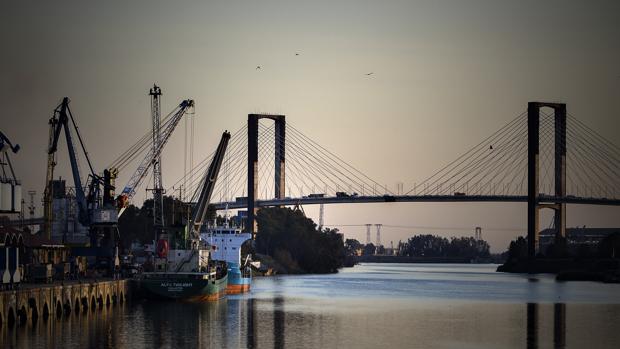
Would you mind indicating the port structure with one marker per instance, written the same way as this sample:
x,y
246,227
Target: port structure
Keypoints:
x,y
158,187
10,186
279,171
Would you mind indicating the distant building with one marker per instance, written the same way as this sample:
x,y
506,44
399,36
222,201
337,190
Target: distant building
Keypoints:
x,y
577,236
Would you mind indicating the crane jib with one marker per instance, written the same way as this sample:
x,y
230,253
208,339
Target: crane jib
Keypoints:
x,y
206,189
142,170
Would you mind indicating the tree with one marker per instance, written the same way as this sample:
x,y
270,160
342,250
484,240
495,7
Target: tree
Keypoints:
x,y
517,250
369,249
351,246
609,247
294,241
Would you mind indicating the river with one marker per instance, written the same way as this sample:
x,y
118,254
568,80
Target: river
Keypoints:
x,y
368,306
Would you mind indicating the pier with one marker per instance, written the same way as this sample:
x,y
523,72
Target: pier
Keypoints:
x,y
32,302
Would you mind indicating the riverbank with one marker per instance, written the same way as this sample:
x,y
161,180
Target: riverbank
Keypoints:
x,y
407,259
568,269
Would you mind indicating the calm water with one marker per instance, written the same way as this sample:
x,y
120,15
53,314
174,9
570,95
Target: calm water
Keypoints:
x,y
368,306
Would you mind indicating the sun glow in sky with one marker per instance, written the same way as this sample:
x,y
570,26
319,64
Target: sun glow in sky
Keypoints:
x,y
446,74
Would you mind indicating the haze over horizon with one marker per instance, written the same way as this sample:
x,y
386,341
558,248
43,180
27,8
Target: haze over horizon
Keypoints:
x,y
445,75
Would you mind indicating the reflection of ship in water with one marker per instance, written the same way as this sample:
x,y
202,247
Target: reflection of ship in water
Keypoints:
x,y
227,242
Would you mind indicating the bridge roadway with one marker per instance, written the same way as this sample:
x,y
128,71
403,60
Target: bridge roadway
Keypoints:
x,y
389,198
415,198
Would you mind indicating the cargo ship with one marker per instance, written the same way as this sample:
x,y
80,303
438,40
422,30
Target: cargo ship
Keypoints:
x,y
227,243
185,274
196,272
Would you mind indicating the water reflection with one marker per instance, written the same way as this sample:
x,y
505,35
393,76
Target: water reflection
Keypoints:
x,y
559,325
532,326
278,322
92,328
345,311
251,327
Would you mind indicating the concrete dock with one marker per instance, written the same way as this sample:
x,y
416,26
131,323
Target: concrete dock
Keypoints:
x,y
31,302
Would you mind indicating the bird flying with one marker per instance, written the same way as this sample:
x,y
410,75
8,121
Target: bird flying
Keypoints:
x,y
258,67
368,74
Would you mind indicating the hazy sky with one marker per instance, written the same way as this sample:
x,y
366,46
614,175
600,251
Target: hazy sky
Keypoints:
x,y
446,75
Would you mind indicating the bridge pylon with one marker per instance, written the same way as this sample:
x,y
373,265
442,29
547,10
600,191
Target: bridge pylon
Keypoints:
x,y
280,156
534,203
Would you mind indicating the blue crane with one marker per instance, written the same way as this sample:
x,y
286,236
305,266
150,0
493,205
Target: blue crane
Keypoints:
x,y
63,119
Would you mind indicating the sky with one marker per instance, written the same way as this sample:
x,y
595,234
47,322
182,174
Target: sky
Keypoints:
x,y
446,75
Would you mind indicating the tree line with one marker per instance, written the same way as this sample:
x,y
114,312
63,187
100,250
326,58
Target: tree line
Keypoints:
x,y
427,245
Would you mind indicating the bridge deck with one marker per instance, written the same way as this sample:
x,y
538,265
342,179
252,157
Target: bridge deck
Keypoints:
x,y
416,198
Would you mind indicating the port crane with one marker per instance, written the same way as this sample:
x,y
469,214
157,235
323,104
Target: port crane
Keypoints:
x,y
10,188
140,173
94,211
199,213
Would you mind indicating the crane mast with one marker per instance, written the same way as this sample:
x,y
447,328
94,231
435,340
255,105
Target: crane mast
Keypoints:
x,y
48,193
158,187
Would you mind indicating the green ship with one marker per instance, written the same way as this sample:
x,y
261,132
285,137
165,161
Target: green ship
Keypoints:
x,y
187,275
189,272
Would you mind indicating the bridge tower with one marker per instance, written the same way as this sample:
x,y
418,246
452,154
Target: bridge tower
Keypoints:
x,y
534,203
378,234
368,233
279,174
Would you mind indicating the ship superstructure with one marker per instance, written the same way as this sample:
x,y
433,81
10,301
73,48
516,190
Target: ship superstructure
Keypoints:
x,y
227,241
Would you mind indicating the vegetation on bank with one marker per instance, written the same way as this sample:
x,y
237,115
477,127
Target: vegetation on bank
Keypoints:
x,y
436,246
295,242
425,246
597,262
608,247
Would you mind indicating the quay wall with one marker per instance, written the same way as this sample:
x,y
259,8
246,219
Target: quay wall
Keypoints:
x,y
33,302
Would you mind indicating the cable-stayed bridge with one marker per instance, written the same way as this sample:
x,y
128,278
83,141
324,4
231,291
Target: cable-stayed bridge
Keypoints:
x,y
544,156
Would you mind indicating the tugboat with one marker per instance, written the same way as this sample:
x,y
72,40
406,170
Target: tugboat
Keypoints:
x,y
190,272
227,242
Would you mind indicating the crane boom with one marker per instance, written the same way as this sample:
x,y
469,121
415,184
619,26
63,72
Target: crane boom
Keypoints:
x,y
136,179
207,185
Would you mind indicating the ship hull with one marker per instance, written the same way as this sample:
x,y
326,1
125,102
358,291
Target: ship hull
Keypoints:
x,y
237,282
188,287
